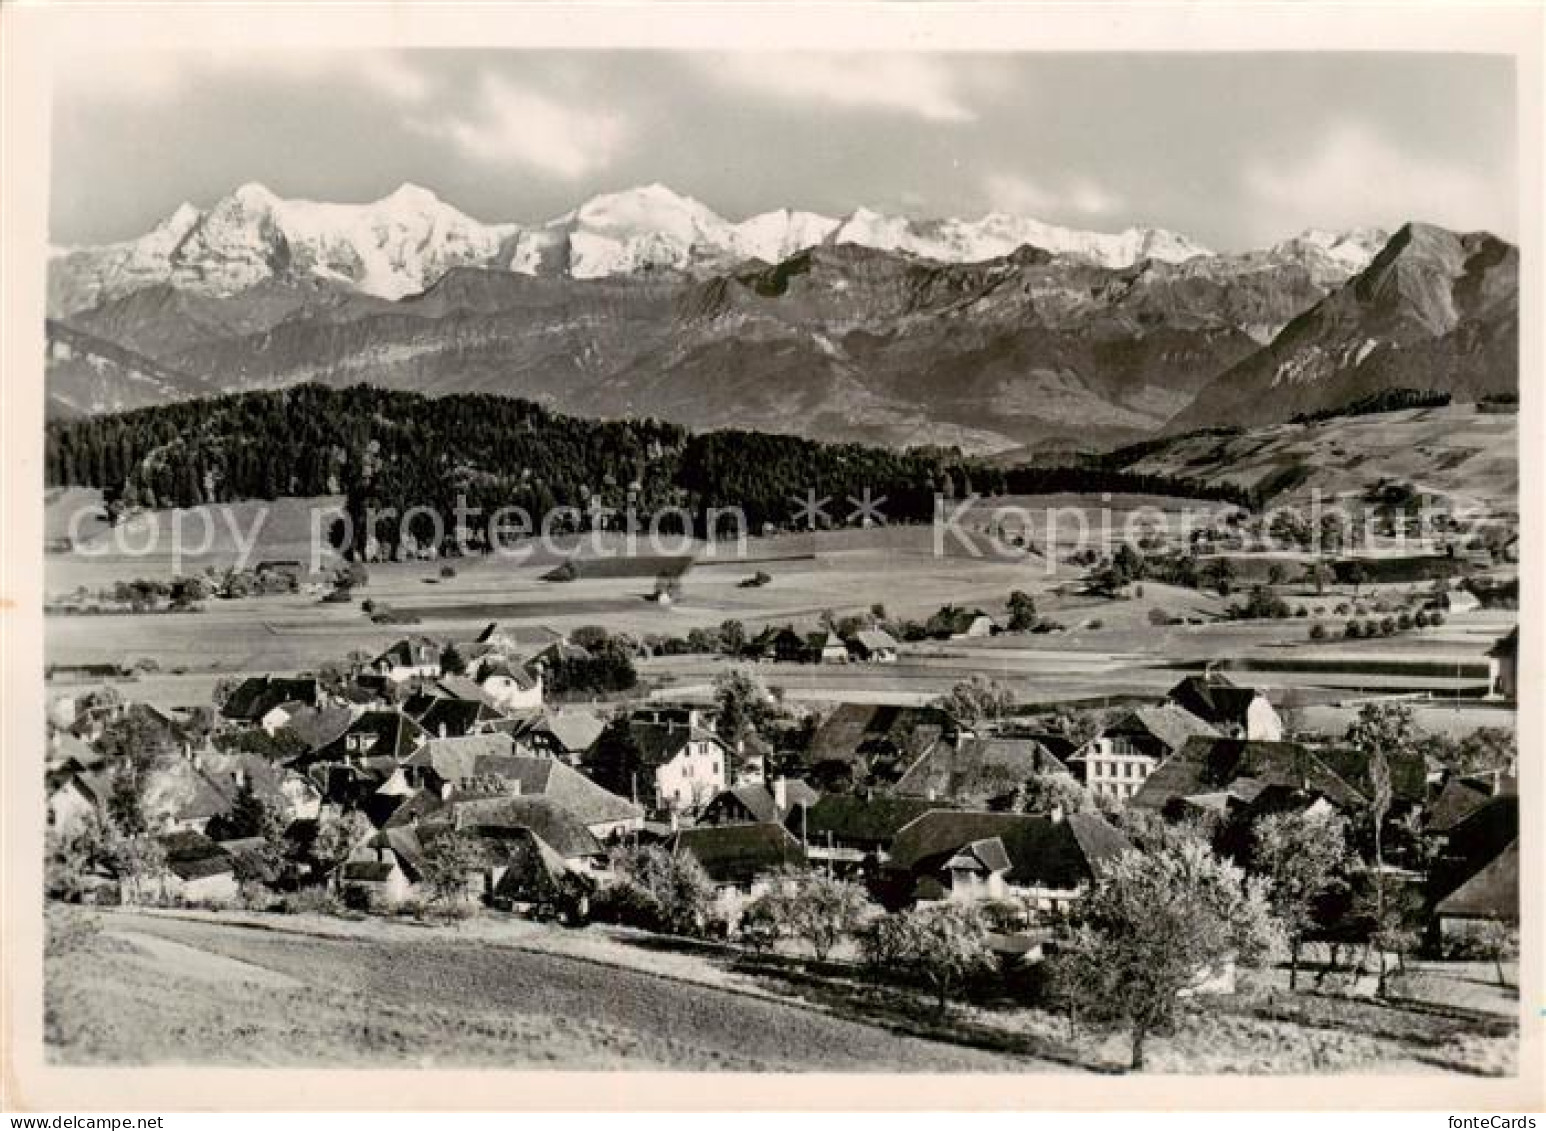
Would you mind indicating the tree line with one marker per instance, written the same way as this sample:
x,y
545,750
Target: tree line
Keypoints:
x,y
388,450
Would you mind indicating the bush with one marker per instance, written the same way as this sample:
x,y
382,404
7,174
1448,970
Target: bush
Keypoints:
x,y
1420,620
1301,611
1388,626
1159,617
1436,619
359,899
447,571
1096,624
1352,630
309,901
1404,622
1318,632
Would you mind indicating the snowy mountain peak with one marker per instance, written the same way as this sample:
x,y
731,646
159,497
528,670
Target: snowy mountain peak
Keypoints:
x,y
403,242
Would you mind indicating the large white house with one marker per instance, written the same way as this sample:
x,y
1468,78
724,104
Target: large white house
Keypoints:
x,y
686,764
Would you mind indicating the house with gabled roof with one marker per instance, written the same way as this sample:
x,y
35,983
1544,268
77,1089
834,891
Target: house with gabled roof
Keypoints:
x,y
1488,895
682,764
759,802
478,764
1117,761
76,801
739,857
977,768
604,813
413,657
878,742
196,869
1207,765
387,869
874,646
445,716
256,697
1232,710
512,687
968,856
563,732
848,830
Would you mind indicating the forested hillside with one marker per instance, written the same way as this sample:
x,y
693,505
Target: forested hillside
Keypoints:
x,y
388,449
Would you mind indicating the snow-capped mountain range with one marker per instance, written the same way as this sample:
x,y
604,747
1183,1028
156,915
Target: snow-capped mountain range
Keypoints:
x,y
401,244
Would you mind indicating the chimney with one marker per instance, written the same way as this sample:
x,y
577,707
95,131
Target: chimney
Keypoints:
x,y
781,794
442,730
1056,815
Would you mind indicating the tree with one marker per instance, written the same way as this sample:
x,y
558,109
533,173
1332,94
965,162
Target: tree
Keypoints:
x,y
1381,731
941,944
671,892
133,859
1320,574
450,860
744,704
1302,856
1022,611
1498,942
1218,573
1043,793
1153,926
1357,574
338,834
732,637
977,699
823,911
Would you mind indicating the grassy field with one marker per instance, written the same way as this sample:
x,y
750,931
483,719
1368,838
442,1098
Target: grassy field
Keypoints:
x,y
1110,647
1455,450
136,988
152,990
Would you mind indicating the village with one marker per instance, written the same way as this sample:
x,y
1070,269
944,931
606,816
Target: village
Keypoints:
x,y
971,848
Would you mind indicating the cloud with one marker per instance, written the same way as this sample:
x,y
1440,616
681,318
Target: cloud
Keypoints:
x,y
160,77
1354,176
1019,195
510,124
919,86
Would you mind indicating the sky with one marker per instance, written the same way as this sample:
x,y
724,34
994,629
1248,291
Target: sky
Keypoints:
x,y
1234,150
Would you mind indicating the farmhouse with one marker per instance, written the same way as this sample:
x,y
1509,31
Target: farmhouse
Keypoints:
x,y
410,658
683,764
563,733
977,768
1120,759
197,869
1491,895
758,803
479,764
605,814
386,870
825,648
972,856
78,800
849,830
1214,765
509,686
253,699
874,646
1234,711
1505,666
859,741
741,858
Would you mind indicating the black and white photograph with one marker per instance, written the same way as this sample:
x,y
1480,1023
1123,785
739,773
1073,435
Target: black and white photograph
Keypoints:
x,y
871,559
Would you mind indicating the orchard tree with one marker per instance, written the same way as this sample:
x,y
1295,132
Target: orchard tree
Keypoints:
x,y
1152,928
1302,856
940,944
978,699
1022,611
450,860
744,705
1045,792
